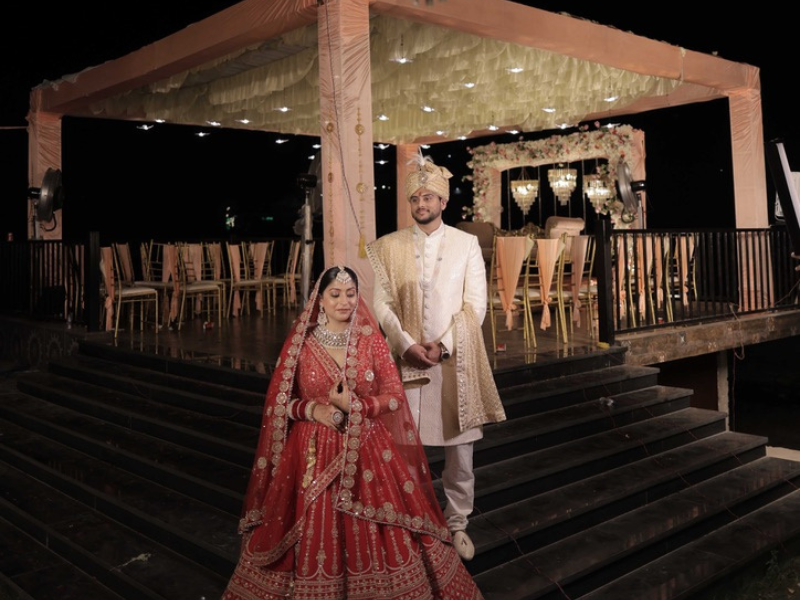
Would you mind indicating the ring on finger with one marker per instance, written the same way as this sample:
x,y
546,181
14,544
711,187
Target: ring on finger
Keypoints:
x,y
337,417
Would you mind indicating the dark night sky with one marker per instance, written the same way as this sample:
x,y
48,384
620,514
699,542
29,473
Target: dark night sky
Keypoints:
x,y
109,178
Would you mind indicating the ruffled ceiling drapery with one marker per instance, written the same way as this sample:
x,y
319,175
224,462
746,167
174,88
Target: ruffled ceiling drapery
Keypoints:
x,y
466,79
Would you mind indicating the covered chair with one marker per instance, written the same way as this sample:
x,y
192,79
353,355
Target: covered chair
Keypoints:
x,y
117,294
509,255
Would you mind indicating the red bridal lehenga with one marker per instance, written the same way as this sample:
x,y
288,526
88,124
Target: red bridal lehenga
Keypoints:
x,y
349,514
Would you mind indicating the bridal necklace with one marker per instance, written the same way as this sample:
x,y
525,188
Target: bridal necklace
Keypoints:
x,y
330,339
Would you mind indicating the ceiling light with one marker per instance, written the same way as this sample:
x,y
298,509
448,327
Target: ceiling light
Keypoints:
x,y
383,146
440,132
515,70
401,57
595,188
525,191
243,121
469,84
611,98
493,127
383,117
317,146
202,134
563,182
214,123
381,162
549,109
283,109
161,121
513,131
281,141
145,127
428,109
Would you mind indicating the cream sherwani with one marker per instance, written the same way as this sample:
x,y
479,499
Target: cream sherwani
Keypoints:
x,y
451,272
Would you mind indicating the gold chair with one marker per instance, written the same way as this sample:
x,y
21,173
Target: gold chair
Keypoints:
x,y
206,293
215,269
161,272
505,294
242,281
289,280
259,266
117,295
543,269
587,286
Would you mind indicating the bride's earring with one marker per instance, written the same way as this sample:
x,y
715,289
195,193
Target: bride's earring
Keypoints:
x,y
322,318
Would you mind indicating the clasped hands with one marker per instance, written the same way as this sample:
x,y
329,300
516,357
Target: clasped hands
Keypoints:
x,y
333,415
424,355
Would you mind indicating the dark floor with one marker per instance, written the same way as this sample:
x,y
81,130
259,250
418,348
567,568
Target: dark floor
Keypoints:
x,y
252,342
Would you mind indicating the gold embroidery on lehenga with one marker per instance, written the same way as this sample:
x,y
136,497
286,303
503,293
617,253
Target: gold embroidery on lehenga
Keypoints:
x,y
311,460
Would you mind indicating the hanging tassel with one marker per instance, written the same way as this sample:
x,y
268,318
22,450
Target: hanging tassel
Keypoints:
x,y
362,247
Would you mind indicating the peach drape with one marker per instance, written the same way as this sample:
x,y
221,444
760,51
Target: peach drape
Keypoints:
x,y
107,272
235,251
511,252
259,250
547,253
578,258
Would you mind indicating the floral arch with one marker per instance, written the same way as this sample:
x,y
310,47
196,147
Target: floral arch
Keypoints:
x,y
488,163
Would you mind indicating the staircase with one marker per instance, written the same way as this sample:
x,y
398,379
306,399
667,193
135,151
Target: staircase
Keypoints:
x,y
123,474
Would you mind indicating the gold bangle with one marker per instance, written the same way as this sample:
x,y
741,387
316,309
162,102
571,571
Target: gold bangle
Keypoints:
x,y
310,411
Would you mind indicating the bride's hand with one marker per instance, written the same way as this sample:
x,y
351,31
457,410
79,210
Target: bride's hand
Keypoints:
x,y
330,416
340,396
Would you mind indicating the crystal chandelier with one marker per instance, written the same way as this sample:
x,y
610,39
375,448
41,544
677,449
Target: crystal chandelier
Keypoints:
x,y
595,188
525,191
563,182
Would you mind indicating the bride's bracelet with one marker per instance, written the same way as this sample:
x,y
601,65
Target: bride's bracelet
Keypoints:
x,y
310,411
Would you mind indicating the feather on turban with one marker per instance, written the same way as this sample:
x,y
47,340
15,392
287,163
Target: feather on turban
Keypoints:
x,y
425,174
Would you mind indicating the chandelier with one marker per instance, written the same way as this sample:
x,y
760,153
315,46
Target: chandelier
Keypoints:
x,y
563,182
595,188
525,191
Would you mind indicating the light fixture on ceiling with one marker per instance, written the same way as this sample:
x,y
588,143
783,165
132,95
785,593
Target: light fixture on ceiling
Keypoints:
x,y
612,97
145,127
401,57
469,85
428,109
549,109
383,117
525,190
595,188
563,182
202,134
243,121
214,123
161,120
283,109
515,70
281,141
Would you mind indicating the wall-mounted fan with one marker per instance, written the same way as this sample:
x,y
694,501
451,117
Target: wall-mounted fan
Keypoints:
x,y
629,191
48,198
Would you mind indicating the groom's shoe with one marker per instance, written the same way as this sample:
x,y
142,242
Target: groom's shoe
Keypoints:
x,y
464,545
